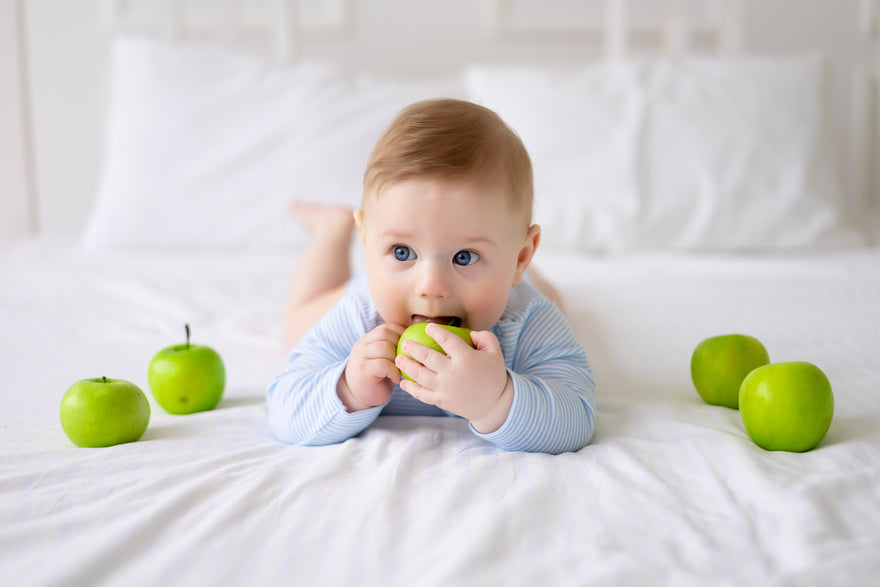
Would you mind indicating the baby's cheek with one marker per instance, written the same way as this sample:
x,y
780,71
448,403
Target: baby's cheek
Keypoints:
x,y
392,309
487,308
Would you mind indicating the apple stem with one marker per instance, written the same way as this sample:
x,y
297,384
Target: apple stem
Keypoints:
x,y
104,377
186,326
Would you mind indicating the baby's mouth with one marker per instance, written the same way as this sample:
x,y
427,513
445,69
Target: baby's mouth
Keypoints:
x,y
447,320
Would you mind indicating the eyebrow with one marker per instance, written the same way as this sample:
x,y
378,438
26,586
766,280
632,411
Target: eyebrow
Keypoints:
x,y
404,235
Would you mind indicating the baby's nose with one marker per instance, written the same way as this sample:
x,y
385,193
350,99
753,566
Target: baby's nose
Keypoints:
x,y
433,280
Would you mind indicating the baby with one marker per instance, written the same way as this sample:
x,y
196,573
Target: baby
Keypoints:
x,y
446,224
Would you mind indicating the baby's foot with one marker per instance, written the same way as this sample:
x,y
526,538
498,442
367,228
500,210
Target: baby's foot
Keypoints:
x,y
320,220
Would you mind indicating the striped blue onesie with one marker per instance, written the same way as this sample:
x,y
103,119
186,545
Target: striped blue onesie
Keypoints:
x,y
554,403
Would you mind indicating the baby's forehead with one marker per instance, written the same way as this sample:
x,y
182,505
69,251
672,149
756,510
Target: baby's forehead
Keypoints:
x,y
486,189
436,218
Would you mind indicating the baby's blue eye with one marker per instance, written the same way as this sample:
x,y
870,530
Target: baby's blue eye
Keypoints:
x,y
402,253
465,258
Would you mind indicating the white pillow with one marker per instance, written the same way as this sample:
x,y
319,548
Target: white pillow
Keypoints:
x,y
206,147
698,153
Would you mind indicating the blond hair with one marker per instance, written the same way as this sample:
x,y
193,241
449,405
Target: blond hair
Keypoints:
x,y
452,139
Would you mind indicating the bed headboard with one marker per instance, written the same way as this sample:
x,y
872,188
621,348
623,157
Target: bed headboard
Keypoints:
x,y
54,59
288,28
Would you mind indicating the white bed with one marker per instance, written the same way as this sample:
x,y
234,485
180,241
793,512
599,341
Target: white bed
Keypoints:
x,y
670,491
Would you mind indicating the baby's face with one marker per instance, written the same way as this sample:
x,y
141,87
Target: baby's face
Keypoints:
x,y
443,250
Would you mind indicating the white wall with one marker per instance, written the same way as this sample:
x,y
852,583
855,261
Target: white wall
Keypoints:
x,y
67,56
16,216
67,40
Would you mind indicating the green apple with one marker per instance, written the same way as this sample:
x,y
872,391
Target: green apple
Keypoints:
x,y
104,412
720,363
187,378
417,333
786,406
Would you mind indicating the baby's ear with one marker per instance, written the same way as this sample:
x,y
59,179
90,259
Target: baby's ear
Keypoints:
x,y
530,245
359,221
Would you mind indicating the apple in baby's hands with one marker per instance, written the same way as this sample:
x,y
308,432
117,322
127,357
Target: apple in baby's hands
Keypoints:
x,y
187,378
720,363
417,333
104,412
786,406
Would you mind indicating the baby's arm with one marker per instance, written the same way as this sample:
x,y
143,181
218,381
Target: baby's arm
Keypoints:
x,y
303,404
554,406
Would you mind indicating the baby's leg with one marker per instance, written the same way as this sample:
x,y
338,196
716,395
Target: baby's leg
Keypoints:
x,y
323,269
546,288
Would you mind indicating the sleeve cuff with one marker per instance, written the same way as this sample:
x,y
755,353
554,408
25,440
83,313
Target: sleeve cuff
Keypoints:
x,y
342,424
512,428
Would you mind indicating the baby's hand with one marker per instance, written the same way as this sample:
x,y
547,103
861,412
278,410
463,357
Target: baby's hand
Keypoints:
x,y
470,382
370,374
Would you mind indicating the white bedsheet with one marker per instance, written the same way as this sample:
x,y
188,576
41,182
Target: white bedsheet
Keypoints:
x,y
671,491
